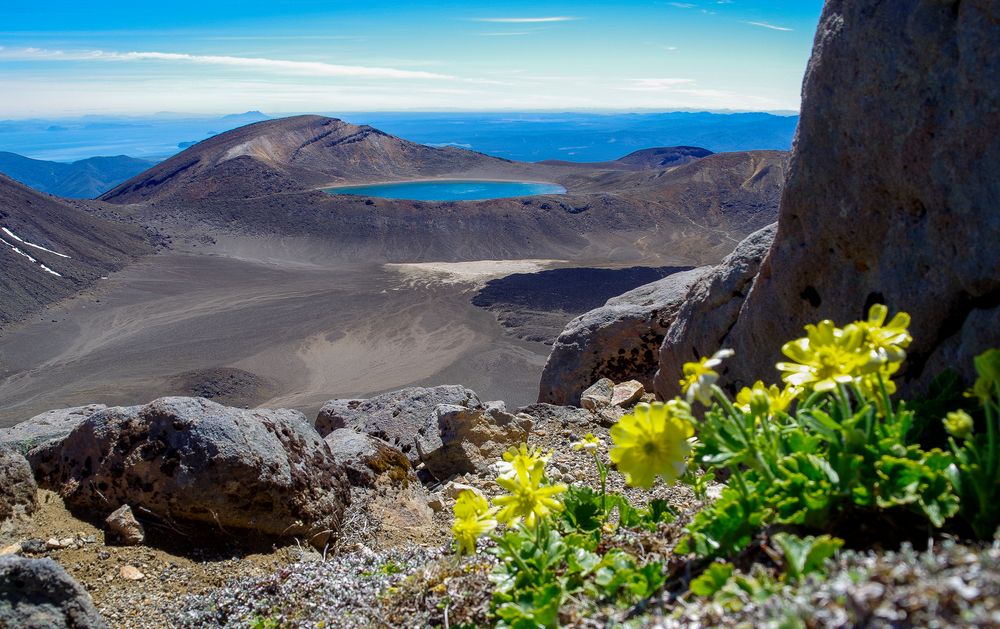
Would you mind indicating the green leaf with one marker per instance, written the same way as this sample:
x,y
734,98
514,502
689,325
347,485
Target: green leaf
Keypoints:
x,y
804,555
712,580
582,508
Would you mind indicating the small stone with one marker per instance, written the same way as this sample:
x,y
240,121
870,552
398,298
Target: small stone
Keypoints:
x,y
125,527
598,395
53,544
132,573
627,393
33,546
67,542
13,549
453,489
435,502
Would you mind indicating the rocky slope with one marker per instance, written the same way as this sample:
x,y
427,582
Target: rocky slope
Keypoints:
x,y
51,248
292,154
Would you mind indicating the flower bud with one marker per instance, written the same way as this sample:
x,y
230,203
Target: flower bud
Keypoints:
x,y
958,424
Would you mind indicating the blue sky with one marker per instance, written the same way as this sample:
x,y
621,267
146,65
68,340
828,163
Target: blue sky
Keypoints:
x,y
69,58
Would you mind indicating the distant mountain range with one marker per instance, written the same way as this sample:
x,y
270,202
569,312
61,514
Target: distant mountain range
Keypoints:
x,y
267,179
84,179
531,137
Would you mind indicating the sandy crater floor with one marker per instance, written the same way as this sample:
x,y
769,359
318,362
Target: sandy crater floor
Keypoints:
x,y
309,330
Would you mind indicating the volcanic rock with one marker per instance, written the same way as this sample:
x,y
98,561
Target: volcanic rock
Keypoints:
x,y
366,458
598,395
892,193
266,472
400,418
54,424
39,594
620,340
125,527
627,393
464,440
709,311
18,491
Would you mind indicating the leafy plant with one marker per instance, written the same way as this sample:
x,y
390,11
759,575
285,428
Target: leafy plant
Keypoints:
x,y
976,471
826,451
804,555
829,448
712,580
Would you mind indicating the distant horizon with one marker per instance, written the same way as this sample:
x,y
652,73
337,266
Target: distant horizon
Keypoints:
x,y
415,112
120,58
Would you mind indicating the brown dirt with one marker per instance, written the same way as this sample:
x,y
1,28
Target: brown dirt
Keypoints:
x,y
167,576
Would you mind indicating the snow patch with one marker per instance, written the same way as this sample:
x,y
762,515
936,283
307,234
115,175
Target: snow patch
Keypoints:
x,y
19,252
31,244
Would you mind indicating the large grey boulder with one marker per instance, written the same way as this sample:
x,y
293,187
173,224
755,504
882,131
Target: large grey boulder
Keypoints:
x,y
892,192
466,440
620,340
39,594
710,310
18,491
366,459
262,472
400,418
54,424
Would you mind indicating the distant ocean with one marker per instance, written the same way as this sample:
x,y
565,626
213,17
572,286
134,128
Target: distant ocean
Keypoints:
x,y
517,136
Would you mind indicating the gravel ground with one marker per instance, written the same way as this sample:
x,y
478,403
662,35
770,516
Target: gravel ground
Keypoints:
x,y
422,584
951,585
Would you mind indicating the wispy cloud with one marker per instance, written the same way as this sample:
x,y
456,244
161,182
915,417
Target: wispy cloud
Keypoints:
x,y
525,20
306,68
773,27
656,85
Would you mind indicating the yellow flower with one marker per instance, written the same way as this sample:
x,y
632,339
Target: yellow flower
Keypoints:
x,y
473,519
700,376
764,400
527,456
653,441
828,356
958,424
887,342
527,498
590,443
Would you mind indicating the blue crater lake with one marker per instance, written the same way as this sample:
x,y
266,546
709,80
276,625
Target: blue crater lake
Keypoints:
x,y
450,190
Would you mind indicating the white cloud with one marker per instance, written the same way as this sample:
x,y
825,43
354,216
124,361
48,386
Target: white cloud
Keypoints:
x,y
656,85
305,68
770,26
525,20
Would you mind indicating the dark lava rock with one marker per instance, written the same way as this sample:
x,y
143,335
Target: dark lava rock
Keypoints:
x,y
263,472
39,594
